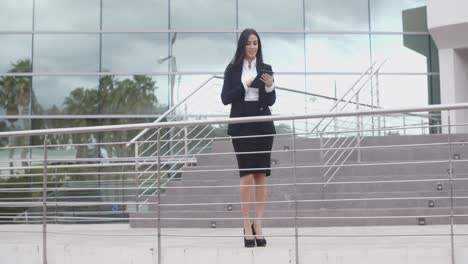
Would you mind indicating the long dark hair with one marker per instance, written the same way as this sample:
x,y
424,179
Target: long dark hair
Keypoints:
x,y
240,52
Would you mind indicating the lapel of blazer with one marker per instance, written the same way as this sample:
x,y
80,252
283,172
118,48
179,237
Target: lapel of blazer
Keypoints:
x,y
237,74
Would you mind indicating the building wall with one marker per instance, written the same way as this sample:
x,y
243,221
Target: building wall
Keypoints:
x,y
448,24
447,12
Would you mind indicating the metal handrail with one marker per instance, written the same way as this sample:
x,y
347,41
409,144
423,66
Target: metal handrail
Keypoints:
x,y
346,93
321,96
178,124
234,120
355,95
359,139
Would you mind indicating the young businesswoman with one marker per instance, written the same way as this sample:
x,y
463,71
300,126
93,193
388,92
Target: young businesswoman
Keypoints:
x,y
250,101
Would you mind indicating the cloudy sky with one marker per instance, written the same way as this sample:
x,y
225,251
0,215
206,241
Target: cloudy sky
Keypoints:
x,y
132,52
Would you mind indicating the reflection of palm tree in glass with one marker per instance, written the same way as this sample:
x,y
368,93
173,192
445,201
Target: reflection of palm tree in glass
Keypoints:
x,y
136,95
131,95
15,93
173,63
81,101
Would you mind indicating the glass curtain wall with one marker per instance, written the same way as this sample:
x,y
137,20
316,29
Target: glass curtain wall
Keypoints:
x,y
114,57
169,45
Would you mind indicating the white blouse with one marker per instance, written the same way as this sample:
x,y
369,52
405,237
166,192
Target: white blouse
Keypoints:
x,y
251,94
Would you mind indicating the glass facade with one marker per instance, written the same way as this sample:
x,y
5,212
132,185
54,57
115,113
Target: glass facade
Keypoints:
x,y
304,40
97,53
311,39
121,57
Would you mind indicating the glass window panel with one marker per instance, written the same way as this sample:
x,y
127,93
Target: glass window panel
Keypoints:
x,y
204,104
388,15
65,53
393,87
406,124
135,52
135,15
334,86
271,14
15,48
15,94
202,52
18,152
334,95
65,95
335,53
207,101
284,52
67,15
16,14
184,16
79,95
289,102
337,15
138,94
405,53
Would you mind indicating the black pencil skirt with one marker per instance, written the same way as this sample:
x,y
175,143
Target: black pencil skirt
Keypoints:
x,y
255,162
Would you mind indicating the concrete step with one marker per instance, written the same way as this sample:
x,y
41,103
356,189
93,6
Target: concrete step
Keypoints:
x,y
349,169
413,202
404,148
411,168
310,201
279,143
348,187
231,172
234,180
413,139
310,218
223,152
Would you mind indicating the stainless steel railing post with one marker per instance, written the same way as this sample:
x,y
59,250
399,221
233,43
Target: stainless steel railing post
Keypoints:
x,y
296,233
44,205
159,196
136,177
452,244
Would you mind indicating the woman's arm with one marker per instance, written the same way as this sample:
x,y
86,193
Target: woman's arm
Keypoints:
x,y
270,93
230,92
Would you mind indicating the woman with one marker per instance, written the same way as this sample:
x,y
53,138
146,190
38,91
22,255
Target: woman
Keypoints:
x,y
250,101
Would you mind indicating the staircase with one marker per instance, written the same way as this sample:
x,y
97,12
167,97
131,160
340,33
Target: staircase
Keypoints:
x,y
393,180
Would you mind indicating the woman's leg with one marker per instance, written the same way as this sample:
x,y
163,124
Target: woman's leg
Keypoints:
x,y
245,181
260,195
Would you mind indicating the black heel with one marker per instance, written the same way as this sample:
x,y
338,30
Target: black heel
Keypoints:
x,y
248,243
261,242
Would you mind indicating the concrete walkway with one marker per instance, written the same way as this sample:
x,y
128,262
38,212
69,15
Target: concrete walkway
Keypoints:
x,y
119,244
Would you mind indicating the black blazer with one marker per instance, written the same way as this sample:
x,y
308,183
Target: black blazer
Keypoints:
x,y
233,93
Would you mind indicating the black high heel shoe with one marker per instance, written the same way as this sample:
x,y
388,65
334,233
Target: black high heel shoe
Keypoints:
x,y
261,242
248,243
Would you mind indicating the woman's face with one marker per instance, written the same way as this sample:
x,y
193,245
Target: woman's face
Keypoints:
x,y
251,47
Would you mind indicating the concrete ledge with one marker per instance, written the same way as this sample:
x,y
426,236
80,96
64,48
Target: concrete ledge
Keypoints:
x,y
119,244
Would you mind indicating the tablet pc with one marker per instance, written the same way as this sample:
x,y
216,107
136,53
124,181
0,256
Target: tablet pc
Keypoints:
x,y
257,82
